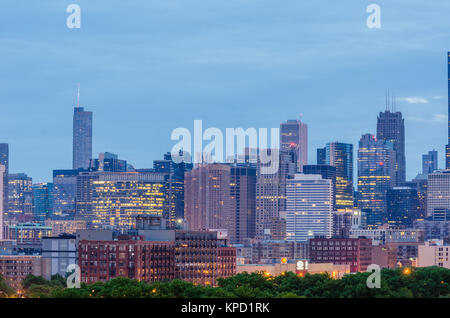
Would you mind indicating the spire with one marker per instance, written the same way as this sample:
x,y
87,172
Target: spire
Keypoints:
x,y
78,96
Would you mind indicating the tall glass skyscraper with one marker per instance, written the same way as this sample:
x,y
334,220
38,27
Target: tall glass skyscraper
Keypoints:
x,y
42,201
340,155
82,138
376,174
4,160
447,149
430,162
391,127
294,135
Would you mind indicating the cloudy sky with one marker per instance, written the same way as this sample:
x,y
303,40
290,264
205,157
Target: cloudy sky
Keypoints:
x,y
147,67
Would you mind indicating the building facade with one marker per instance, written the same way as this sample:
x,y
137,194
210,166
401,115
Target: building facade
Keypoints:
x,y
309,207
340,155
82,138
376,174
294,135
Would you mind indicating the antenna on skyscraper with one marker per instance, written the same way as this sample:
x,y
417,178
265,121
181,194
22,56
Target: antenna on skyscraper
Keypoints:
x,y
78,96
387,100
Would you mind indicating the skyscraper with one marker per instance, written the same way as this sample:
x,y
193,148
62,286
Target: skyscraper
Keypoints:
x,y
2,214
402,207
243,204
327,172
4,160
438,195
430,162
82,138
20,196
294,135
447,148
207,197
271,192
42,201
321,156
376,174
391,127
174,186
309,207
340,155
114,199
108,162
64,190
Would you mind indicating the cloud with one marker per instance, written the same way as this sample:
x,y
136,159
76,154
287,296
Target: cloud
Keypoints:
x,y
435,118
414,100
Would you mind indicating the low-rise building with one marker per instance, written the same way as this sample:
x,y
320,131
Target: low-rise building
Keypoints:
x,y
14,268
61,251
355,252
434,253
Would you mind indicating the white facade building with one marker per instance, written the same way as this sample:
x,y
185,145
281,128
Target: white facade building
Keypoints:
x,y
438,195
309,205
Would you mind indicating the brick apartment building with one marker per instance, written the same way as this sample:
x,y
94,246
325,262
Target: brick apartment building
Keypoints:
x,y
153,253
14,268
356,252
129,256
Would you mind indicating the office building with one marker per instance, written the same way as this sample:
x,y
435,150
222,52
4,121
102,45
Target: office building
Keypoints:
x,y
294,136
327,172
402,207
20,197
391,127
82,138
447,148
64,192
376,174
309,207
438,195
42,201
4,160
61,226
114,199
174,187
243,204
207,197
321,156
430,162
271,192
2,189
108,162
340,155
346,220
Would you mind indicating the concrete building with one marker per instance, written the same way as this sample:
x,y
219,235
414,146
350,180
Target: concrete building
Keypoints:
x,y
438,195
207,197
309,207
434,253
61,251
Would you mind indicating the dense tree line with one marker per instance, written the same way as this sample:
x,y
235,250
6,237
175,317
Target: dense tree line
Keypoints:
x,y
399,283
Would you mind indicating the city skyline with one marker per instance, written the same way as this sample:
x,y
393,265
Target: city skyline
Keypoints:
x,y
164,75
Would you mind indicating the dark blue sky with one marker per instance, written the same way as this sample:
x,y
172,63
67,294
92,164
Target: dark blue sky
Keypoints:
x,y
147,67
